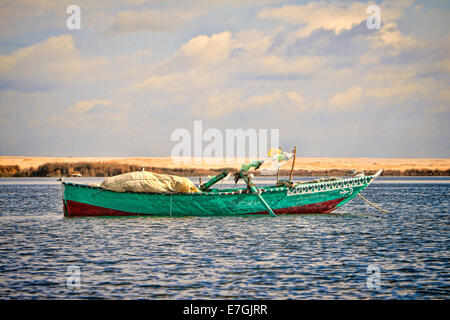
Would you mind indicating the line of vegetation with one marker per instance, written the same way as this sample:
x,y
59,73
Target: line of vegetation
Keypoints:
x,y
63,169
108,169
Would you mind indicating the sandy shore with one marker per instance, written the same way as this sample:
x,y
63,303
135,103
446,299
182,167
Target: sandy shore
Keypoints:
x,y
301,163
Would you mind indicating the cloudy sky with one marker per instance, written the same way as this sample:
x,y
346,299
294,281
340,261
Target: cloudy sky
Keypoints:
x,y
137,70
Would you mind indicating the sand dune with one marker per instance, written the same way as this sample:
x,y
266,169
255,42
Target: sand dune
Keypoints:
x,y
301,163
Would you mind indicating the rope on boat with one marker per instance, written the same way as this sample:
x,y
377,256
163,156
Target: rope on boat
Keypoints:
x,y
372,204
94,194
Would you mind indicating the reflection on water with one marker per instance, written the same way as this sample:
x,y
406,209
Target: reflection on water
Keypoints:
x,y
255,257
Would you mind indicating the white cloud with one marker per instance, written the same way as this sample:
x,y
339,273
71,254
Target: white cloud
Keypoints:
x,y
280,99
350,98
85,106
202,52
173,82
271,64
327,15
211,60
336,16
392,38
216,104
399,90
223,103
53,62
204,75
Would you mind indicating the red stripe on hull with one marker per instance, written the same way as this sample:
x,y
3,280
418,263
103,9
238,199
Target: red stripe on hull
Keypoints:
x,y
319,207
78,209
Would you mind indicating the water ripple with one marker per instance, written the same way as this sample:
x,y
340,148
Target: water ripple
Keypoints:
x,y
291,257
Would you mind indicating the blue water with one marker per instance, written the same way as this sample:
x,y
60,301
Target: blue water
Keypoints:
x,y
255,257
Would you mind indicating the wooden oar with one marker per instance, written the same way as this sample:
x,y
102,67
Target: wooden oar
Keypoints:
x,y
253,189
256,191
266,205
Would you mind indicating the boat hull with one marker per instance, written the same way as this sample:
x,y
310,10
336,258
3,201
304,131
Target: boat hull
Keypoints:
x,y
320,197
78,209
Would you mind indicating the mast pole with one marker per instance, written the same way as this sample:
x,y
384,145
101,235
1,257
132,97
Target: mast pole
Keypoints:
x,y
293,164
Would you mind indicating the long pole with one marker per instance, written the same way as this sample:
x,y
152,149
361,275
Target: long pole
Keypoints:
x,y
293,164
255,190
266,205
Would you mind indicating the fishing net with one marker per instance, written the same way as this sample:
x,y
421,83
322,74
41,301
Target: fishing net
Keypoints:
x,y
276,160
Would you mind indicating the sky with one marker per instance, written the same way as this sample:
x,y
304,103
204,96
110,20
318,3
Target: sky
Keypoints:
x,y
137,70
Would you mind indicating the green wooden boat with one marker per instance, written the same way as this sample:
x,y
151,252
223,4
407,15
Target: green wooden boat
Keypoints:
x,y
318,196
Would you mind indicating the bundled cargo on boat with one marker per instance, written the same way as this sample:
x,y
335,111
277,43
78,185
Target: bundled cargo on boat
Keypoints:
x,y
149,182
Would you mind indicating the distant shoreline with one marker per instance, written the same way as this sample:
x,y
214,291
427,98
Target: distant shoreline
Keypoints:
x,y
12,166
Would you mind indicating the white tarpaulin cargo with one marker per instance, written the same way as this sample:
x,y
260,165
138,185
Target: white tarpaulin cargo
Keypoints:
x,y
143,181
